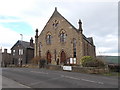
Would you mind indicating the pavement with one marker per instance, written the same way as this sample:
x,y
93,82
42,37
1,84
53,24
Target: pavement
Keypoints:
x,y
9,83
43,78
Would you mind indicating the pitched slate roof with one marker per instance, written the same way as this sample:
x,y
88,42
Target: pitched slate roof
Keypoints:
x,y
90,39
23,43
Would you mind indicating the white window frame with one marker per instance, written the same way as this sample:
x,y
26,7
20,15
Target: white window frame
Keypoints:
x,y
13,52
20,51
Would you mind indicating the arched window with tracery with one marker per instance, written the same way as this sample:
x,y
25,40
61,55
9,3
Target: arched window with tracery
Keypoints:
x,y
48,38
62,36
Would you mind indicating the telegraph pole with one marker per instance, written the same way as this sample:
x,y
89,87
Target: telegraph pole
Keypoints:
x,y
20,51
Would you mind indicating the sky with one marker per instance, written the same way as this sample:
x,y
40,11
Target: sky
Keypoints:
x,y
99,18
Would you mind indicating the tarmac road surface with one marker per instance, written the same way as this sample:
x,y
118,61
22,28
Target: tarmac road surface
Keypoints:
x,y
43,78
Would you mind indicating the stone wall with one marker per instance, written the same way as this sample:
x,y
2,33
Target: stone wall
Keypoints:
x,y
90,70
55,47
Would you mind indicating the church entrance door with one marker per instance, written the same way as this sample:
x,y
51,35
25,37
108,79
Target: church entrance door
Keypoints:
x,y
62,57
48,57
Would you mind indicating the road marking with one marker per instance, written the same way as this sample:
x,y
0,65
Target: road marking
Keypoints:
x,y
18,70
39,72
82,79
88,80
24,85
70,77
92,81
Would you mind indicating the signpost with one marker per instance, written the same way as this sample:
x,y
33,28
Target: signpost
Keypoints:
x,y
70,61
68,68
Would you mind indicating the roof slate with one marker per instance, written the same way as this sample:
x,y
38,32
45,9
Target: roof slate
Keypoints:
x,y
23,43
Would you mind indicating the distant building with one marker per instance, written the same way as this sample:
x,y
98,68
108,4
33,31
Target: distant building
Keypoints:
x,y
6,58
60,42
22,52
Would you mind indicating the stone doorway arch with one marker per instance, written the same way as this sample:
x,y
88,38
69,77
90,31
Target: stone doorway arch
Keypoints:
x,y
62,57
48,57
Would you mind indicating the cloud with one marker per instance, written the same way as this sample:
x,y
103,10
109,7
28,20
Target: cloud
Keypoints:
x,y
99,19
9,37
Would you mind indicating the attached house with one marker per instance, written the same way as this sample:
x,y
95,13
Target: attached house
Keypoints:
x,y
6,58
22,52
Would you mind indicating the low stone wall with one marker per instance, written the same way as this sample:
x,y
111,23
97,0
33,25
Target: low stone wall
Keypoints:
x,y
91,70
25,66
54,67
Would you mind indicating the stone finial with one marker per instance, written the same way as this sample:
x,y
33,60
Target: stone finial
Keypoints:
x,y
55,8
36,30
36,36
31,42
80,21
80,26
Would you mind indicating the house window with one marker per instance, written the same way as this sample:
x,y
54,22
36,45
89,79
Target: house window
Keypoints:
x,y
20,51
62,36
13,52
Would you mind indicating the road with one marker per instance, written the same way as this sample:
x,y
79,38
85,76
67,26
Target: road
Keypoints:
x,y
43,78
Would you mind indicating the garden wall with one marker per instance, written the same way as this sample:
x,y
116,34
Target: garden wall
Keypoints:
x,y
92,70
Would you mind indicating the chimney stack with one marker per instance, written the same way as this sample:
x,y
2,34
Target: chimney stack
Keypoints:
x,y
5,50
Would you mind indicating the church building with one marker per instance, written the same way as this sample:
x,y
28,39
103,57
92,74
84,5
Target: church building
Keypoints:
x,y
61,43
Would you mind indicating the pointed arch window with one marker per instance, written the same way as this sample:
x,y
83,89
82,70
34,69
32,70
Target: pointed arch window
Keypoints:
x,y
74,47
62,36
48,38
40,46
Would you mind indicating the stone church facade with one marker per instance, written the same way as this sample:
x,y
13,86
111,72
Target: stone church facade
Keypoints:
x,y
60,41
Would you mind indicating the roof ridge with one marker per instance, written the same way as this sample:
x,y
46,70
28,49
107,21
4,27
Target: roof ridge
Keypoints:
x,y
24,41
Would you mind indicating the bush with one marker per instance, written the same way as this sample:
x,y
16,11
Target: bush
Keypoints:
x,y
114,67
42,62
99,63
35,60
88,61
